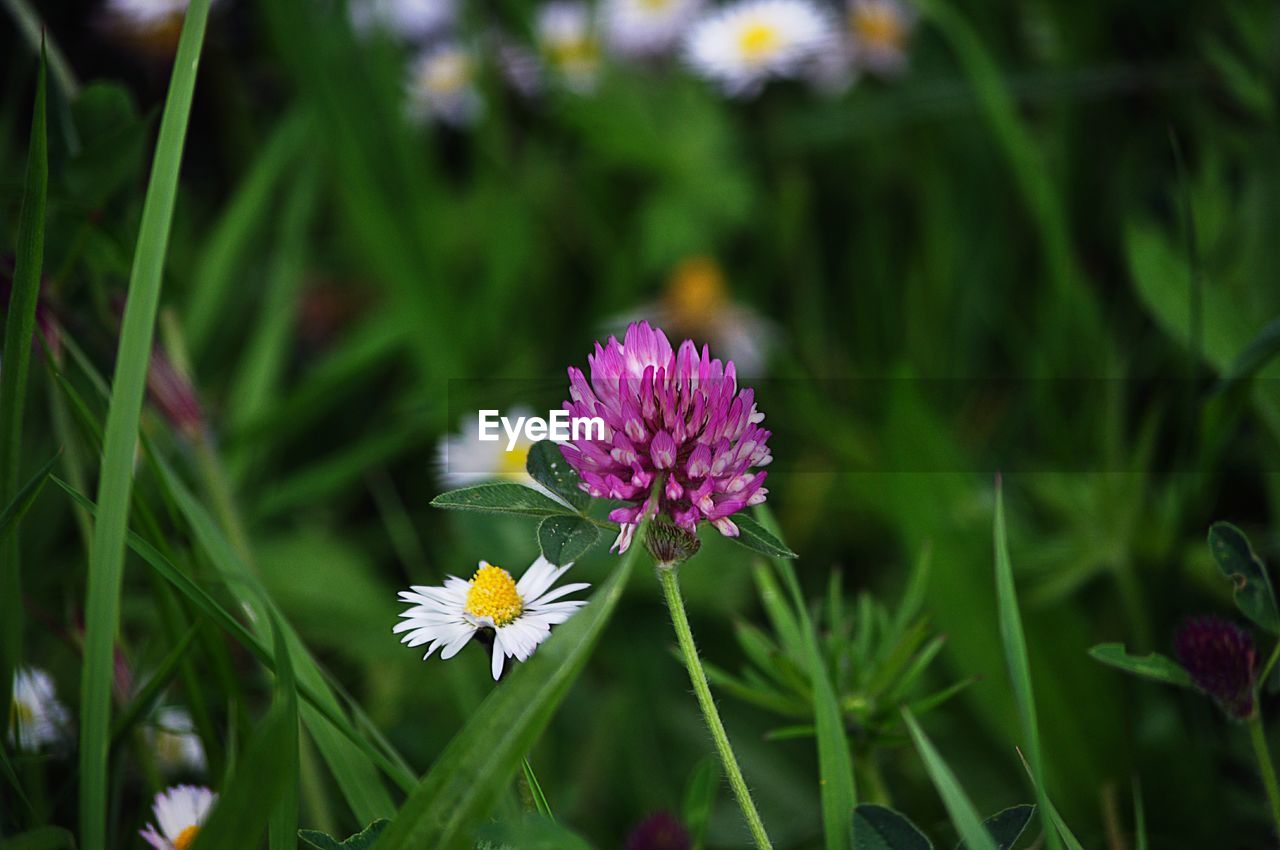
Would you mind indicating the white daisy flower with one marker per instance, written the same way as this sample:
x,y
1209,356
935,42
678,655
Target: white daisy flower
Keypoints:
x,y
520,67
518,615
180,812
174,741
465,459
644,29
144,15
442,86
743,45
36,718
879,31
566,36
412,20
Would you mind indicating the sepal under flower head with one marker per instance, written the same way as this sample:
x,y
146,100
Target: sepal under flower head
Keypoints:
x,y
669,544
680,440
1222,661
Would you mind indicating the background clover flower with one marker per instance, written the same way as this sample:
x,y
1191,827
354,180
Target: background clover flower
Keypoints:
x,y
1222,661
674,418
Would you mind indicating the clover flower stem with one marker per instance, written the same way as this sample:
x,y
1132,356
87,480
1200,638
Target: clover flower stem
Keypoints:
x,y
1266,668
1265,767
697,675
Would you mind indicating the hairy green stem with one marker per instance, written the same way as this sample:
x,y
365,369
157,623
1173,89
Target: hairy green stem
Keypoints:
x,y
698,676
1265,767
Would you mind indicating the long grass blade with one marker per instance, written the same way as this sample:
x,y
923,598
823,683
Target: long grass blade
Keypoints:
x,y
18,330
106,554
25,498
838,791
964,816
282,828
1015,652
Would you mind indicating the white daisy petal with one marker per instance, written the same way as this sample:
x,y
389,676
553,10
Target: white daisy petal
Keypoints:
x,y
37,718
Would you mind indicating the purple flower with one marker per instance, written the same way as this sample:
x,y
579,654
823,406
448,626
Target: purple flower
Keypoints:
x,y
1222,661
659,831
680,439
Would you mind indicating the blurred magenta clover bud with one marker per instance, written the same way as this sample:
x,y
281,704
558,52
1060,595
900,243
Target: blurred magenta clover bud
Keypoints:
x,y
659,831
172,393
681,441
1222,661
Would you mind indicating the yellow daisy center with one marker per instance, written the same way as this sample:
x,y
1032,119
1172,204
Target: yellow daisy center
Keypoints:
x,y
576,51
185,838
20,714
655,5
757,40
493,594
695,292
514,461
447,75
880,27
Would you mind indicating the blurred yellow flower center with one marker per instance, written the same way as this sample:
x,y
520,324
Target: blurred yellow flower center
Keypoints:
x,y
695,292
757,40
514,461
447,74
20,715
655,5
493,594
185,838
576,51
881,27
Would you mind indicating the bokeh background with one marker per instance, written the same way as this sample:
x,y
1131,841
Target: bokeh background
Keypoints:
x,y
1037,249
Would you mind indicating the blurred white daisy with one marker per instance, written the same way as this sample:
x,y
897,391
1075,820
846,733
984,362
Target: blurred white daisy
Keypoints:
x,y
697,304
174,741
744,44
879,31
520,67
514,617
465,459
36,718
413,20
442,86
151,26
644,29
180,812
567,38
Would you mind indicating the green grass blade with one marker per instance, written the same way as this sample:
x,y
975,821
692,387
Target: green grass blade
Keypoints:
x,y
264,772
142,704
43,838
462,786
25,498
283,825
106,555
964,816
351,767
1059,825
37,35
1015,652
838,791
209,606
535,791
228,244
19,327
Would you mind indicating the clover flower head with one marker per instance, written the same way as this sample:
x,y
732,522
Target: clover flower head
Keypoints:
x,y
659,831
680,439
1222,661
